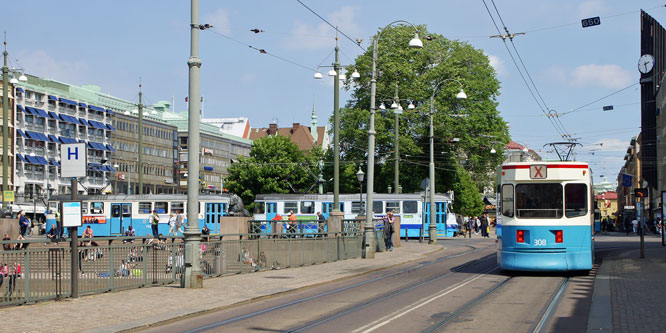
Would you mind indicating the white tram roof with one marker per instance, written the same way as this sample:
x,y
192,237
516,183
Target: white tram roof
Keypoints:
x,y
143,197
545,171
346,197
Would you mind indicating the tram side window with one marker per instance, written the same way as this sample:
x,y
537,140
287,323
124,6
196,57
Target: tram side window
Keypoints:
x,y
539,201
377,207
393,206
507,200
575,199
115,211
162,207
145,207
84,207
358,207
307,207
96,208
177,207
260,208
410,207
290,206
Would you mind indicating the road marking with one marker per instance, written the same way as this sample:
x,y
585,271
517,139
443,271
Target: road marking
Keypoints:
x,y
411,307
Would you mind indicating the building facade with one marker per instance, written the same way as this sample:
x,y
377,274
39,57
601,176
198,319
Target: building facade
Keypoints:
x,y
629,178
11,165
239,127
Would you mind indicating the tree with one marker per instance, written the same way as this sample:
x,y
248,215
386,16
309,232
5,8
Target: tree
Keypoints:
x,y
475,121
275,165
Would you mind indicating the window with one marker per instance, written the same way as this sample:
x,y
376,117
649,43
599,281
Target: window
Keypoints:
x,y
293,206
259,207
96,208
377,207
358,207
575,200
127,210
307,207
145,207
410,207
507,200
393,206
178,207
539,201
115,211
162,207
84,208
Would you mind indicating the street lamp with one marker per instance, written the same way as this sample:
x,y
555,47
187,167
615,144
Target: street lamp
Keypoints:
x,y
140,129
115,184
369,233
359,176
432,227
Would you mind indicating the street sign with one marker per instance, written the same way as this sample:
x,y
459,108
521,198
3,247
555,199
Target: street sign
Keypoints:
x,y
608,108
641,192
74,160
590,22
8,196
71,214
626,180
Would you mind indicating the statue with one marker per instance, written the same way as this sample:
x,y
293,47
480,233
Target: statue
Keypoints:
x,y
236,207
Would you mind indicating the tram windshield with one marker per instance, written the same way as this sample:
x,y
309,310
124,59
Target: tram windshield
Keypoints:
x,y
539,201
575,199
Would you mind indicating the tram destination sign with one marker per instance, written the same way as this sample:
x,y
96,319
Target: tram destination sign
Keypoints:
x,y
538,171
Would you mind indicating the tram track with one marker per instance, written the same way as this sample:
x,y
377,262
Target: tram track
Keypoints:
x,y
421,265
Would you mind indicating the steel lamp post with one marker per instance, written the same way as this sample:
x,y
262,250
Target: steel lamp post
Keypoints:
x,y
369,232
359,176
432,226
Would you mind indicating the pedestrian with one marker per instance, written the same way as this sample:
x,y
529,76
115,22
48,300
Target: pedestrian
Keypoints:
x,y
172,225
322,224
205,232
6,246
388,231
53,233
634,225
291,228
59,224
24,222
154,222
484,225
4,271
129,233
461,229
180,220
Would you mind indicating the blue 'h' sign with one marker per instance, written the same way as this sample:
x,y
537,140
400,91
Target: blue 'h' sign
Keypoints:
x,y
70,153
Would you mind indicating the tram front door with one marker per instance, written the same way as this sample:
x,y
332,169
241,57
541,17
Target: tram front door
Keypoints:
x,y
121,218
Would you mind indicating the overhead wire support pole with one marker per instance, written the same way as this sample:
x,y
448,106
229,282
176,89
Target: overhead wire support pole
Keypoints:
x,y
140,129
5,127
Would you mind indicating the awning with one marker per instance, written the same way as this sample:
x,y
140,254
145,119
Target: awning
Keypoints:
x,y
54,138
208,168
110,127
19,89
67,101
82,141
65,139
70,119
97,124
22,158
109,111
36,160
54,115
84,122
21,133
97,145
36,136
96,108
53,162
108,146
20,108
29,110
52,98
83,105
110,168
40,112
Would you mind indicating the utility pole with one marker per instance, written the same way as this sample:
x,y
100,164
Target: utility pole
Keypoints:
x,y
336,131
397,111
140,140
5,128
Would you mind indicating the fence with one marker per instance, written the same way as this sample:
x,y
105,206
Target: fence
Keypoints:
x,y
43,273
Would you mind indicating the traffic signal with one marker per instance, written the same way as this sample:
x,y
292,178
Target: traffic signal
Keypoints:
x,y
641,192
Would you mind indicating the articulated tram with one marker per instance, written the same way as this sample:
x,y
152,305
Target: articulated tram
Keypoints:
x,y
412,209
547,216
111,215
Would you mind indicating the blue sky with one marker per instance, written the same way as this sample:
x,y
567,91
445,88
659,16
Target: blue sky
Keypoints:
x,y
113,43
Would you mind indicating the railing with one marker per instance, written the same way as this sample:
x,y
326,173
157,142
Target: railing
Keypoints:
x,y
114,263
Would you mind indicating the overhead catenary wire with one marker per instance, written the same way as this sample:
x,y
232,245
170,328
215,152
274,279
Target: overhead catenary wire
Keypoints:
x,y
357,43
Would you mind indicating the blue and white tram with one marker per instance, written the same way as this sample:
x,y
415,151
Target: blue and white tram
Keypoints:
x,y
111,215
547,216
410,207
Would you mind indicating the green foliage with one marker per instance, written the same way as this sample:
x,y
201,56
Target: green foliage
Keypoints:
x,y
275,165
417,72
468,201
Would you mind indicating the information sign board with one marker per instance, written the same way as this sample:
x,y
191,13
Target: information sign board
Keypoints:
x,y
71,214
8,195
73,159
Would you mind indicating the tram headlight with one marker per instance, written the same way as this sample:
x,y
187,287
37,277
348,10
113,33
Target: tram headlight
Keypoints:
x,y
520,236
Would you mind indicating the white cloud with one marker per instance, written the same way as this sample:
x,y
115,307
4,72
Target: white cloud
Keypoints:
x,y
219,19
498,64
41,64
607,76
306,36
610,145
592,8
248,78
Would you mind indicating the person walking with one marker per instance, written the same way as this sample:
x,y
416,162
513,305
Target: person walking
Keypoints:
x,y
634,225
388,231
24,223
484,225
322,224
154,223
292,223
172,225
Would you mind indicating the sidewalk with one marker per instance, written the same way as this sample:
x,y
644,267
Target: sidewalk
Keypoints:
x,y
128,309
629,291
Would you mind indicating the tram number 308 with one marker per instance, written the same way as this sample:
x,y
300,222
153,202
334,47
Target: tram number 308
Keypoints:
x,y
539,242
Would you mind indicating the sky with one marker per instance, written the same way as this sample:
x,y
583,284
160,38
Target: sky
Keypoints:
x,y
114,44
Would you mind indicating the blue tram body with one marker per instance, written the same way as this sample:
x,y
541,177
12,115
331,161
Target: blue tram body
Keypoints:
x,y
111,215
546,215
